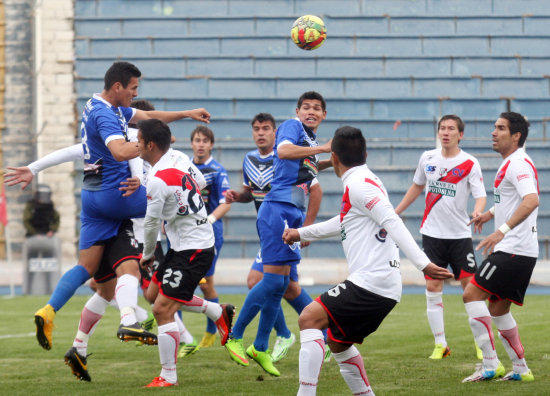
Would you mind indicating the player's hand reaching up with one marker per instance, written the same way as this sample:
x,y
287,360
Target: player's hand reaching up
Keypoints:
x,y
18,175
435,272
291,235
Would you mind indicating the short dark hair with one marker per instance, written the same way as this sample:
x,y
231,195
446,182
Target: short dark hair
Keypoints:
x,y
121,72
455,118
142,104
203,130
263,117
350,146
312,95
156,131
518,124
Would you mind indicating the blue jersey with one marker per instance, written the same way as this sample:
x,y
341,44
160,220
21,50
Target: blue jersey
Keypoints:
x,y
217,183
101,123
292,178
258,174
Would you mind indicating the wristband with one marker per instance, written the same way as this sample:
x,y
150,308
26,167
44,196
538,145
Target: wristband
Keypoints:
x,y
492,210
211,219
504,228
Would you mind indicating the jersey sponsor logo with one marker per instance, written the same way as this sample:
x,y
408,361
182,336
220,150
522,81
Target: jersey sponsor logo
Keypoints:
x,y
442,188
382,235
430,168
497,195
372,203
201,222
523,176
395,263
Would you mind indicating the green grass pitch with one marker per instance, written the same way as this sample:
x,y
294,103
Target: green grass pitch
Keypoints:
x,y
395,356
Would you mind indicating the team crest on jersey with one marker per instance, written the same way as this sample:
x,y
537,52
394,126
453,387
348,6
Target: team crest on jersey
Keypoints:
x,y
443,172
382,235
430,168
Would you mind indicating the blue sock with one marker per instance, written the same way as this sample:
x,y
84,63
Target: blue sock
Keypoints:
x,y
210,325
275,286
67,285
251,306
300,302
280,324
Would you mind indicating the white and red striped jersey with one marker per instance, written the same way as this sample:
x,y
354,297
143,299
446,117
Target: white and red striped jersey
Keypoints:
x,y
449,182
174,196
516,177
369,229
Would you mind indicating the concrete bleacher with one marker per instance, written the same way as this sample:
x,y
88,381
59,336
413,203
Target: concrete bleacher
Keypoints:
x,y
389,67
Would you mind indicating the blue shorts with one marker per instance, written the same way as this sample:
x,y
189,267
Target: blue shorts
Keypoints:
x,y
218,243
273,218
258,265
103,211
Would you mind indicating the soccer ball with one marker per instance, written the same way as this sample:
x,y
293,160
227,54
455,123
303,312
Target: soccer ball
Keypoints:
x,y
308,32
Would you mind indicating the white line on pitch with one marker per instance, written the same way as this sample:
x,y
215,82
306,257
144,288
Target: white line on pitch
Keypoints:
x,y
16,335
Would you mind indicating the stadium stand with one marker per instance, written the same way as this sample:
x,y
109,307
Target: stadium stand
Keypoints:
x,y
391,68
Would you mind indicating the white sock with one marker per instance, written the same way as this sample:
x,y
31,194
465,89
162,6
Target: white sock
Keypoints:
x,y
211,309
312,354
434,310
168,343
352,368
480,323
185,336
126,296
509,335
89,318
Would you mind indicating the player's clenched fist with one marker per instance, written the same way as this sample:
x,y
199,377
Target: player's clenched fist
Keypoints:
x,y
291,235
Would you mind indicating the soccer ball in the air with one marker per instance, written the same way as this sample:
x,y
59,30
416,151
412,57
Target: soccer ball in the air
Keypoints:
x,y
308,32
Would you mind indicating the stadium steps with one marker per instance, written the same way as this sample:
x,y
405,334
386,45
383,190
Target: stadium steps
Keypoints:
x,y
182,66
423,59
291,8
280,44
253,25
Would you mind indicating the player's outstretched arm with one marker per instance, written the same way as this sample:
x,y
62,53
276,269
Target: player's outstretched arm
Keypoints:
x,y
169,116
25,174
291,151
